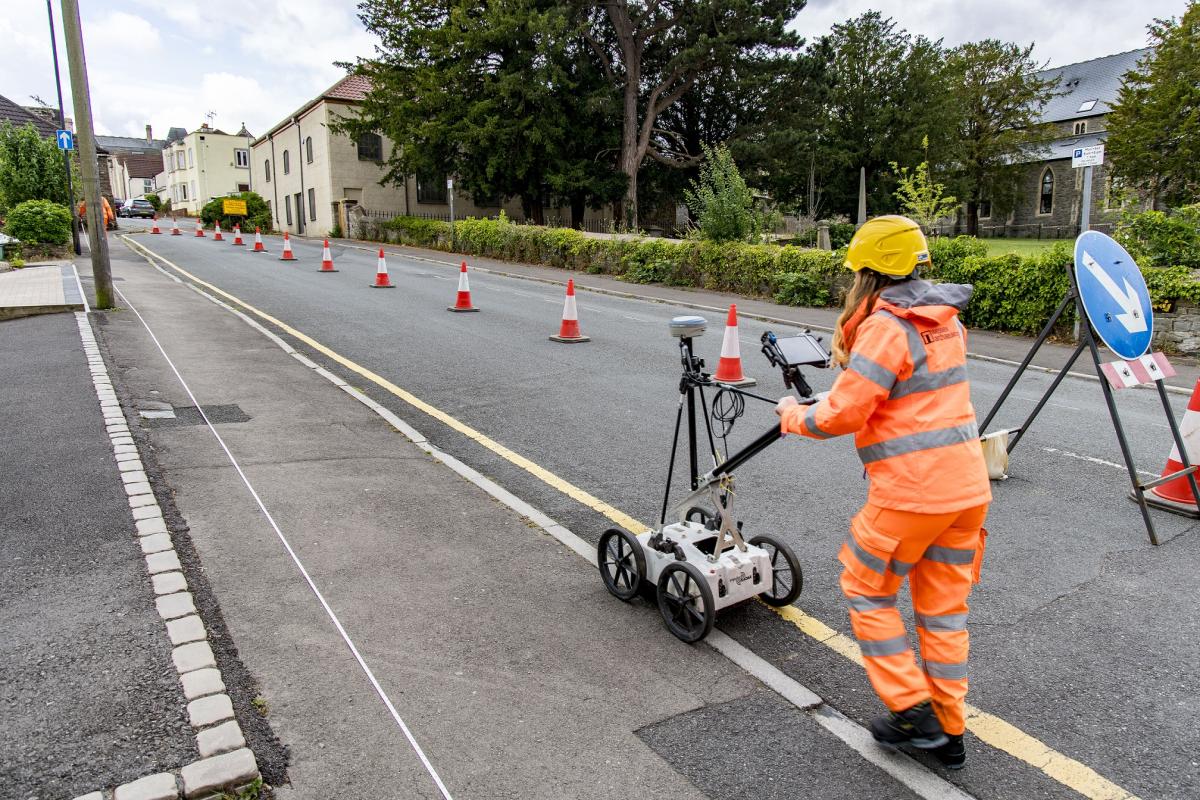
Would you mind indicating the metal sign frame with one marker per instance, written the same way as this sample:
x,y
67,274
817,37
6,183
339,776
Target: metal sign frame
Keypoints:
x,y
1087,341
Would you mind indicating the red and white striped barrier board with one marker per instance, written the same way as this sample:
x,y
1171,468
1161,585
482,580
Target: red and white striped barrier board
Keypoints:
x,y
1147,369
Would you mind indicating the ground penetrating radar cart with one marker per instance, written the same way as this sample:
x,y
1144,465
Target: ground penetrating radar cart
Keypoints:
x,y
699,563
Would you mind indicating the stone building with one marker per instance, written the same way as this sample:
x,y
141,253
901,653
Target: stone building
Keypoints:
x,y
1049,202
312,177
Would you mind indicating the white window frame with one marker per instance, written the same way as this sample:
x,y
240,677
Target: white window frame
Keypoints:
x,y
191,158
241,158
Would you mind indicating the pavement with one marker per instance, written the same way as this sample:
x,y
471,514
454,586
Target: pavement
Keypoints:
x,y
48,289
89,694
468,611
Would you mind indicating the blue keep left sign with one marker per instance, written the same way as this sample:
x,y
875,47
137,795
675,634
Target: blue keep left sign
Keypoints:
x,y
66,139
1114,294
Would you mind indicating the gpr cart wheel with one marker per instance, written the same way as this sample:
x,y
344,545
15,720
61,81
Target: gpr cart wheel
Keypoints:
x,y
701,515
622,563
685,601
787,579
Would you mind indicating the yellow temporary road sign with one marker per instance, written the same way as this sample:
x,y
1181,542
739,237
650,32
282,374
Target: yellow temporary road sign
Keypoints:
x,y
235,208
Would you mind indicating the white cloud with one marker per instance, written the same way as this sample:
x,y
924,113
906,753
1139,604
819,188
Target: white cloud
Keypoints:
x,y
1064,32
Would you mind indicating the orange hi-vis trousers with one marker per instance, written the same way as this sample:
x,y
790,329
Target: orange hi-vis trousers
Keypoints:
x,y
941,555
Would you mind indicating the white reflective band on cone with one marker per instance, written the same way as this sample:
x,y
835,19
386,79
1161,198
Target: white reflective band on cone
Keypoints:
x,y
569,310
729,345
463,286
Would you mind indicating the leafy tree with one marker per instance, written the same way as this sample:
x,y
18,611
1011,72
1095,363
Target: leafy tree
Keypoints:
x,y
722,203
996,101
257,213
887,95
1154,129
39,222
656,53
919,196
500,94
155,201
31,168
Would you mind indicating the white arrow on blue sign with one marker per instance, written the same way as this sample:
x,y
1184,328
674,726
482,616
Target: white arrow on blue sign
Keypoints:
x,y
66,139
1114,294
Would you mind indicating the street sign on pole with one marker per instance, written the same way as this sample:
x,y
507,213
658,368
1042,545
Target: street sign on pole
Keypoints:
x,y
66,139
1090,156
1114,294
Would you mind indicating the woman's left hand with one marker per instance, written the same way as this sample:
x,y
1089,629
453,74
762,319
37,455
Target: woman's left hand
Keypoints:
x,y
785,402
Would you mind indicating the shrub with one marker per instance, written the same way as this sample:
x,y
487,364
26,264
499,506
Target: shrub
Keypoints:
x,y
257,213
39,222
1012,293
1156,239
155,201
721,201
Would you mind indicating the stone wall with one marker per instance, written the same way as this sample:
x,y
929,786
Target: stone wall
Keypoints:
x,y
1178,331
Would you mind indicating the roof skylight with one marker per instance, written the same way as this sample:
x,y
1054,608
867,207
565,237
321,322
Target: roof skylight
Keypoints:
x,y
1087,105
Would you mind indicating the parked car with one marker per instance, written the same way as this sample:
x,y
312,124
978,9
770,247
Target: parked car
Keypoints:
x,y
136,208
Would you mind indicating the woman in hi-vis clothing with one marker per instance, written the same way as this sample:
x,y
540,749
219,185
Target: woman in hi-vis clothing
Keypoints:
x,y
904,395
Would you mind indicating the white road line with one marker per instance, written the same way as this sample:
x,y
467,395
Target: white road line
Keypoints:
x,y
1094,460
299,565
904,769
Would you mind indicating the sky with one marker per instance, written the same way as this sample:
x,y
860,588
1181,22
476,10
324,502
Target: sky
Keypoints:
x,y
170,62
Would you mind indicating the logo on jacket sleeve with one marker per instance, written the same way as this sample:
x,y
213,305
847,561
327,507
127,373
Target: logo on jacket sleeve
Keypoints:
x,y
938,334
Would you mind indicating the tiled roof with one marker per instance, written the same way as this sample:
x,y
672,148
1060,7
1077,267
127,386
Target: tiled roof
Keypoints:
x,y
142,165
1098,80
11,112
351,87
129,144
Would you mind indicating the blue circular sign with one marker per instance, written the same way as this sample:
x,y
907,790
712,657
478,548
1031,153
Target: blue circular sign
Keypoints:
x,y
1114,294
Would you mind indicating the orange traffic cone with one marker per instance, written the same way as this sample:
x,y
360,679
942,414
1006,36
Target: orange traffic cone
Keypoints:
x,y
1177,495
237,236
569,333
154,227
729,368
175,227
287,254
258,245
463,302
382,281
326,259
199,229
217,237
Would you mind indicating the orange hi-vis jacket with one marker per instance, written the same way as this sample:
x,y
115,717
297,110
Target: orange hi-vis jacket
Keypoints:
x,y
906,395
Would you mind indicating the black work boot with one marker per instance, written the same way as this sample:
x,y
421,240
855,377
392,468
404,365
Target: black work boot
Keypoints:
x,y
917,726
953,754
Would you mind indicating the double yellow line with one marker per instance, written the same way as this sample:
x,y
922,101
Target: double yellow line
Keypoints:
x,y
987,727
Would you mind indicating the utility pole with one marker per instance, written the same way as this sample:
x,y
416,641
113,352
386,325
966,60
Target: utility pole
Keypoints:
x,y
62,124
88,169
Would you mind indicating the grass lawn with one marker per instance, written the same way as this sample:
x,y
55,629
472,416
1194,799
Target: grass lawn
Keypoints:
x,y
1022,247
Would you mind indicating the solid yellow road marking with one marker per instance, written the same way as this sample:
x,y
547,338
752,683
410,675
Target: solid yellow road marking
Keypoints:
x,y
989,728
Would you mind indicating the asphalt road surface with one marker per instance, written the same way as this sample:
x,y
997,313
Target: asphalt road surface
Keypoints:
x,y
1084,636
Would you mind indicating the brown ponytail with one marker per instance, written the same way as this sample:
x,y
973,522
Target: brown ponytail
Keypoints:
x,y
860,299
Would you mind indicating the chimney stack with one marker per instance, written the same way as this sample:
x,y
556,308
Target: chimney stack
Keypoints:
x,y
149,135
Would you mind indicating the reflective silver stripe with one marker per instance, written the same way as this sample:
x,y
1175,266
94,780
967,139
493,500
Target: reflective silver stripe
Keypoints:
x,y
948,672
810,422
942,622
869,560
914,442
948,555
872,603
900,567
926,381
875,373
922,380
886,647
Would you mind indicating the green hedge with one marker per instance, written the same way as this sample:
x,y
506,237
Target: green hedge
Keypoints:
x,y
1012,293
39,222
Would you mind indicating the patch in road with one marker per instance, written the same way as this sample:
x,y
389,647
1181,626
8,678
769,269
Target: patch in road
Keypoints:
x,y
762,746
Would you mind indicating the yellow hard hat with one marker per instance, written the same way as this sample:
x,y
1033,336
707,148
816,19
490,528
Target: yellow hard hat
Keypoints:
x,y
892,245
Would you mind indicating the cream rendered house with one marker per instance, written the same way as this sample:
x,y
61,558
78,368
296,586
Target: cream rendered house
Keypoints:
x,y
204,164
